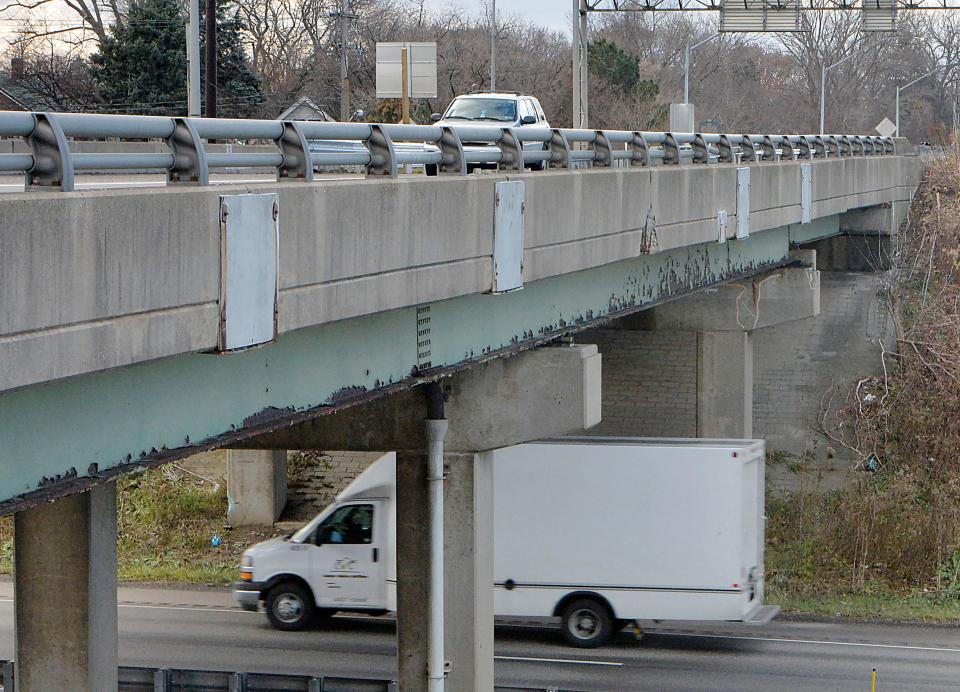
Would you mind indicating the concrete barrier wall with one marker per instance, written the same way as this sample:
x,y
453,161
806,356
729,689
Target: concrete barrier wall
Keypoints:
x,y
94,280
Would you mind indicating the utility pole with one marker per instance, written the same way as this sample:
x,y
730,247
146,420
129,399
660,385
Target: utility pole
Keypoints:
x,y
193,60
210,77
580,86
493,45
344,15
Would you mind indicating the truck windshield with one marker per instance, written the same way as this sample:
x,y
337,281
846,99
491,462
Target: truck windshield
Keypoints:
x,y
498,110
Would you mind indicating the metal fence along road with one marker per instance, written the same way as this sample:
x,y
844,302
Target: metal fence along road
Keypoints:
x,y
382,149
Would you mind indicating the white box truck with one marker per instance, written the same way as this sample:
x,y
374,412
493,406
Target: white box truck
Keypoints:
x,y
595,531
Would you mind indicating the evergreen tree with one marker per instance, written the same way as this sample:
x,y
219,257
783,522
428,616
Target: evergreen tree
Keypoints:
x,y
141,67
614,65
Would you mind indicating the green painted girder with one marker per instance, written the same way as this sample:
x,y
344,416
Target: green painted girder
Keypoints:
x,y
60,437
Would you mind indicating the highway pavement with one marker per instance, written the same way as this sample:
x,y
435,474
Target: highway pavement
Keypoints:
x,y
202,629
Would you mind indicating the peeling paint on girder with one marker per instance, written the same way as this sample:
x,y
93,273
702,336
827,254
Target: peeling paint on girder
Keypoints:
x,y
132,418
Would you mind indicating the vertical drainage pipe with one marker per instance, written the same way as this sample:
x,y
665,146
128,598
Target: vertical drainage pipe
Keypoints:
x,y
436,429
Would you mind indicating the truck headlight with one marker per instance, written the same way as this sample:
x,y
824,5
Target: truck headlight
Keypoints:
x,y
246,568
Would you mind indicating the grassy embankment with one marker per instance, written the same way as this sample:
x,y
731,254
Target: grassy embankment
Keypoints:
x,y
168,519
888,545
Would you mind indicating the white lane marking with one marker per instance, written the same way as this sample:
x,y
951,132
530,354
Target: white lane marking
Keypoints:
x,y
575,661
204,609
823,642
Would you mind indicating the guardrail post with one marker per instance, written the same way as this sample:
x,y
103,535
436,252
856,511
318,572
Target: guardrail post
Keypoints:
x,y
701,152
725,150
769,151
803,144
163,680
856,146
559,150
671,150
296,153
819,148
383,156
747,153
511,151
602,155
641,152
189,155
786,149
52,165
451,149
315,685
832,146
844,143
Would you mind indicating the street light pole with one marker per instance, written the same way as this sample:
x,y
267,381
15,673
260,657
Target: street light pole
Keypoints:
x,y
823,83
910,84
580,87
493,45
686,65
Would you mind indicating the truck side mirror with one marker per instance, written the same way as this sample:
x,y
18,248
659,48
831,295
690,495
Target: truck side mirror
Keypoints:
x,y
528,120
435,117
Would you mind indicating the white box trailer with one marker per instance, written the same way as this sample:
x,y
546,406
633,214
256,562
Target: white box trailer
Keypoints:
x,y
649,529
596,531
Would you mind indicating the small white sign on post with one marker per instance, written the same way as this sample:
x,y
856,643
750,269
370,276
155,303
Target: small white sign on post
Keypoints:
x,y
421,68
886,128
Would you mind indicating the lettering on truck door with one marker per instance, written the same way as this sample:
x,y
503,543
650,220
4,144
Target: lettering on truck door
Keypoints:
x,y
347,558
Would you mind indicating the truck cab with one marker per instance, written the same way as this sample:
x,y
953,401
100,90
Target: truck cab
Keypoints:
x,y
341,560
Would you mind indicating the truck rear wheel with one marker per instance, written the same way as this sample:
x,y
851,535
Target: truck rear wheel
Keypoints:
x,y
290,606
586,623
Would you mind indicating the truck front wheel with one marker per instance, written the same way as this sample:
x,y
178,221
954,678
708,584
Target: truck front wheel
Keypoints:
x,y
587,623
290,606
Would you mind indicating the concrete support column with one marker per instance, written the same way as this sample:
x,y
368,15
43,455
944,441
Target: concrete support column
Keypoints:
x,y
725,384
468,570
256,486
413,570
65,604
468,574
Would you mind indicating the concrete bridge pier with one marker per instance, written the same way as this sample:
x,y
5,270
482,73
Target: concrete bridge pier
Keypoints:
x,y
686,368
724,320
65,600
256,486
536,394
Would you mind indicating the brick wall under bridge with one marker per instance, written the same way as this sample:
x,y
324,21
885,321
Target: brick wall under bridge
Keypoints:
x,y
650,377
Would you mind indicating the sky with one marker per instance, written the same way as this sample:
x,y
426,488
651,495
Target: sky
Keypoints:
x,y
552,13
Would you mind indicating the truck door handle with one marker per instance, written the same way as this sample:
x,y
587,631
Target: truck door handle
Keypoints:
x,y
376,554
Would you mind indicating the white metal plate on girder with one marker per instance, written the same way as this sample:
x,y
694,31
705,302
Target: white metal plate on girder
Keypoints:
x,y
508,236
806,193
743,202
722,226
249,271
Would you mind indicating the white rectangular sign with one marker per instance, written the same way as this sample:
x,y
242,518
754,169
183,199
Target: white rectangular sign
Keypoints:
x,y
421,70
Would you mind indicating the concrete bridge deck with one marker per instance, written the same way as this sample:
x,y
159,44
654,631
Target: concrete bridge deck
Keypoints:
x,y
381,281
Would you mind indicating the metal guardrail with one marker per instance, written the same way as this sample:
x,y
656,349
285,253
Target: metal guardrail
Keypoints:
x,y
302,145
132,679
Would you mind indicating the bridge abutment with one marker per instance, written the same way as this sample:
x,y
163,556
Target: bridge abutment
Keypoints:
x,y
65,572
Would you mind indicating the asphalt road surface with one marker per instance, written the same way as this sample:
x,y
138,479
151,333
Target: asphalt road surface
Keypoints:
x,y
201,629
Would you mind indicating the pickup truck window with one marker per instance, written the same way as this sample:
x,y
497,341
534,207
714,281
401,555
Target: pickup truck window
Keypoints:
x,y
498,110
350,525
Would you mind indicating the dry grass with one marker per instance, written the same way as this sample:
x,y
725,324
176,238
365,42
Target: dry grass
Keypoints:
x,y
896,530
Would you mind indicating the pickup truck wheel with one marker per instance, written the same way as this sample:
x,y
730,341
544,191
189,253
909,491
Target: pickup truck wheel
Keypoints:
x,y
290,606
586,623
